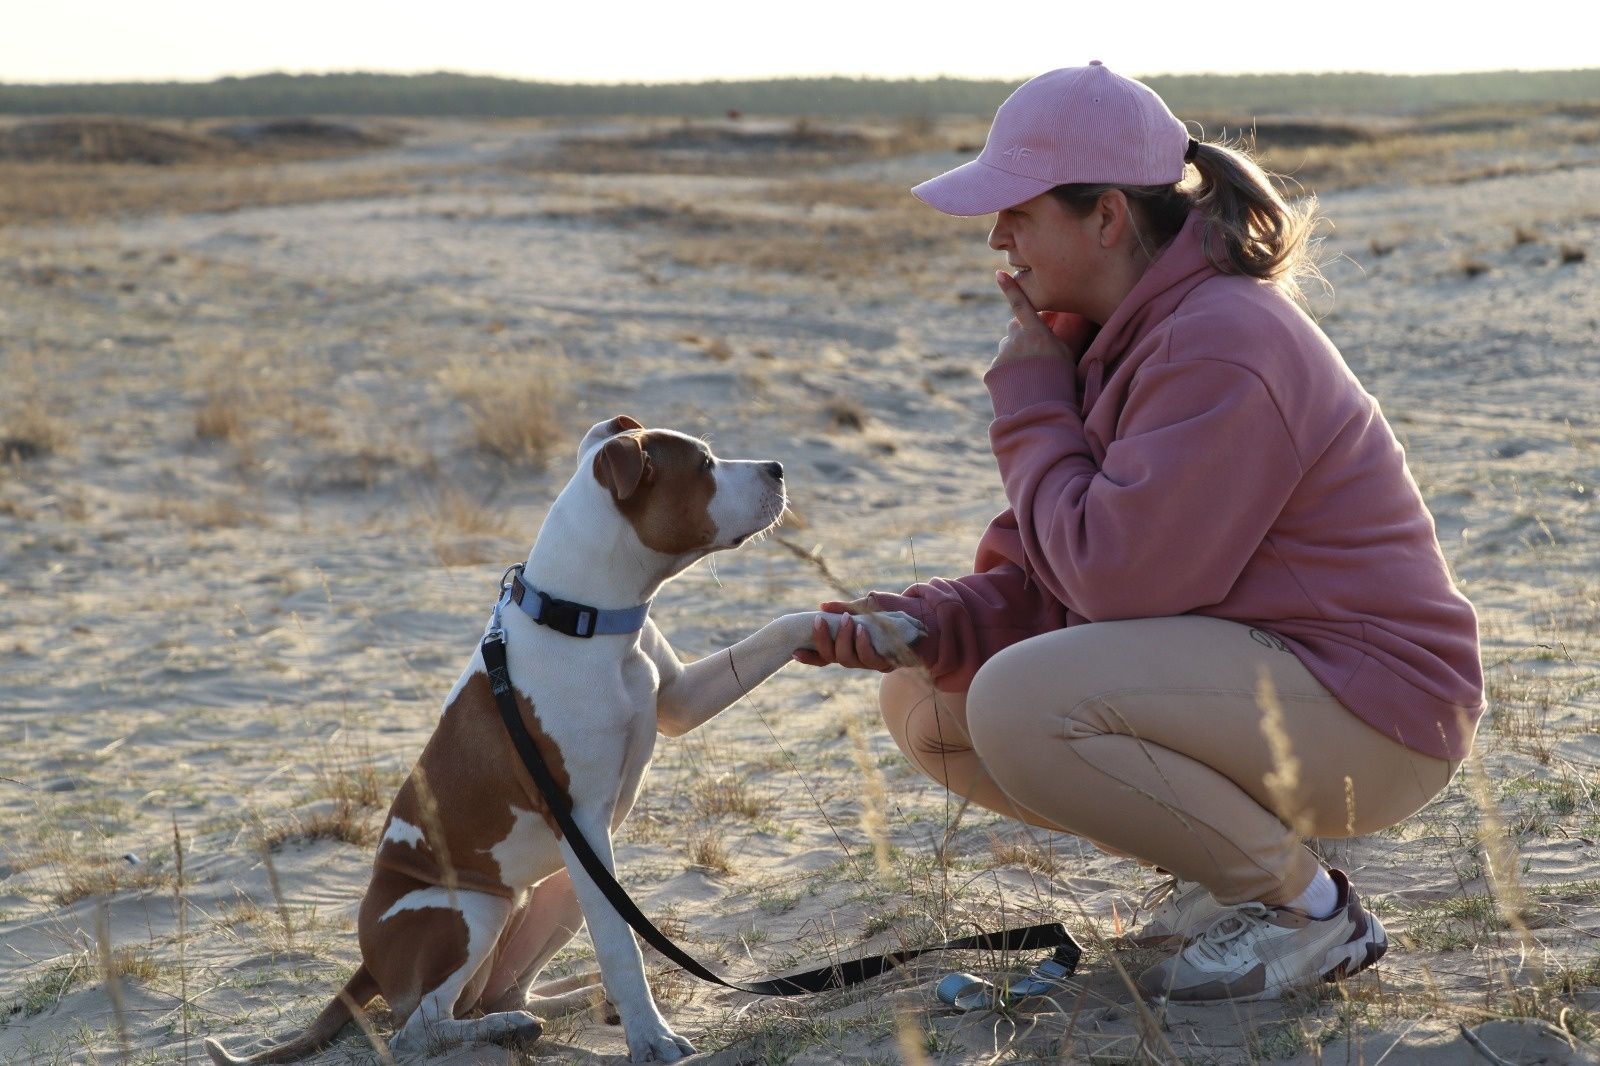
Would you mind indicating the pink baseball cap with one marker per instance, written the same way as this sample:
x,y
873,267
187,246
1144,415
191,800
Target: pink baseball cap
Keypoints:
x,y
1076,124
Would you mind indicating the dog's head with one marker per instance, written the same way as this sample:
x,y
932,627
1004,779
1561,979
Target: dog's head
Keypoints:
x,y
680,499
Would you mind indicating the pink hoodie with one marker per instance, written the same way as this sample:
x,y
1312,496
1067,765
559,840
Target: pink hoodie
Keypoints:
x,y
1224,461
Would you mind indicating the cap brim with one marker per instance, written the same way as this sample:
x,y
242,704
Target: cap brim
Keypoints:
x,y
976,188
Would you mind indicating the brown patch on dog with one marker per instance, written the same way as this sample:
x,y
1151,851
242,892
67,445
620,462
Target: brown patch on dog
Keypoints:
x,y
670,506
413,952
472,774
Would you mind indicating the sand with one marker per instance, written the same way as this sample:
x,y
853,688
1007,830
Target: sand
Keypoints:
x,y
249,531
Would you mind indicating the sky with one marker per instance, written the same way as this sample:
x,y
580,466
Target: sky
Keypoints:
x,y
694,40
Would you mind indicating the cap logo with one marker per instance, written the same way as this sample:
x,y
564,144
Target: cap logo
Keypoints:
x,y
1016,152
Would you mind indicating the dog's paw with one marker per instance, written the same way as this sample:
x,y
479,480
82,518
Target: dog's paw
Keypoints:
x,y
657,1043
893,633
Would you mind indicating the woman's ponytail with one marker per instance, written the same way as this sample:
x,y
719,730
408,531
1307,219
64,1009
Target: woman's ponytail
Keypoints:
x,y
1249,227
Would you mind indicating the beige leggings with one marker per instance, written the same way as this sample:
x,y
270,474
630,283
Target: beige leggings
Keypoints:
x,y
1148,738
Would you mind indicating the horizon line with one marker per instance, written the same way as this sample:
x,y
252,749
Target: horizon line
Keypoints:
x,y
598,84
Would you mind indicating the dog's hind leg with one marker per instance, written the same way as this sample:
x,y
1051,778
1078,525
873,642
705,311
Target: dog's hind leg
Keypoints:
x,y
543,926
433,1021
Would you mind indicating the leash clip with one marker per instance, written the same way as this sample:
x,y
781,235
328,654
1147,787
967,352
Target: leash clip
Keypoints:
x,y
496,631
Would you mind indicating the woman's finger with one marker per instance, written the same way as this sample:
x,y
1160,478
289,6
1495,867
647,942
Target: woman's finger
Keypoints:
x,y
821,650
867,653
1022,308
860,606
844,644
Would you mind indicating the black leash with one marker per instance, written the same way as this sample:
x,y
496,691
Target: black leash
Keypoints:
x,y
837,975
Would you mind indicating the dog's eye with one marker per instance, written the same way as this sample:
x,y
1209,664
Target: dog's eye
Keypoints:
x,y
707,463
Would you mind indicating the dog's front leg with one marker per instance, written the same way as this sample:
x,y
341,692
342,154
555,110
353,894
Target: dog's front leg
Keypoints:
x,y
621,964
692,693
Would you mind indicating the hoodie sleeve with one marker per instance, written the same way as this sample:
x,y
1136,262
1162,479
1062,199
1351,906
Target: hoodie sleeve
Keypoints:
x,y
969,619
1200,469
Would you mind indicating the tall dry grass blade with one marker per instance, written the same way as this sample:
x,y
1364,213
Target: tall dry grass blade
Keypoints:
x,y
358,1013
1283,781
874,799
1502,862
908,1039
183,935
112,974
277,896
428,810
814,557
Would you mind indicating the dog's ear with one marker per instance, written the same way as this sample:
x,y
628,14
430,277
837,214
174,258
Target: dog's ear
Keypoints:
x,y
622,466
623,423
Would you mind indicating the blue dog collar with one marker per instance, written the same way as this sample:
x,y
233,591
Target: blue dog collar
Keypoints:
x,y
573,619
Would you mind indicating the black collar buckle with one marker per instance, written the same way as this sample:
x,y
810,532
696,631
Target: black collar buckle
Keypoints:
x,y
564,616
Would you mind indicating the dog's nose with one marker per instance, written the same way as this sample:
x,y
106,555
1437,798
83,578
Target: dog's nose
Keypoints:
x,y
776,470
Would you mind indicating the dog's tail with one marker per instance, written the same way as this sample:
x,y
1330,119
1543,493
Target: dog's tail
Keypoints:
x,y
319,1034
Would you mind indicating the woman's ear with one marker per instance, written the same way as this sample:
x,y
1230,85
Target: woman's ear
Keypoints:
x,y
1111,216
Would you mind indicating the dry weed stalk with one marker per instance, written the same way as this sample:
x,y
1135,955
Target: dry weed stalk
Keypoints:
x,y
909,1040
874,799
1283,782
277,896
1501,862
183,936
111,972
428,809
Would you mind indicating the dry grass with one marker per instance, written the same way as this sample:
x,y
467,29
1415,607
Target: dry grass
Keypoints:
x,y
725,794
465,529
741,147
707,849
81,192
342,820
220,415
514,408
1443,147
223,510
30,432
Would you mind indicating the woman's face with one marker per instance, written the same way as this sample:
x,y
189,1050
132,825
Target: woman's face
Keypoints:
x,y
1058,258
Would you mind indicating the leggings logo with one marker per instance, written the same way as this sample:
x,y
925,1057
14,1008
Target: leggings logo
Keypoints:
x,y
1268,640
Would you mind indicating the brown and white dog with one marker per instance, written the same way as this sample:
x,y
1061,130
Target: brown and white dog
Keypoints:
x,y
473,888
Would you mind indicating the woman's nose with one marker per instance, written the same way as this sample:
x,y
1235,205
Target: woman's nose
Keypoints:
x,y
999,235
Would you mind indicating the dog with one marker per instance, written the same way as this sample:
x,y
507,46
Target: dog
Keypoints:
x,y
473,888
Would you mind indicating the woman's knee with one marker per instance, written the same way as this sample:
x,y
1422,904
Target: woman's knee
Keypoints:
x,y
922,720
1007,722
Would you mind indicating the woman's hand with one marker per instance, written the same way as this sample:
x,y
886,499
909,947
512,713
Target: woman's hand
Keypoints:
x,y
850,643
1035,333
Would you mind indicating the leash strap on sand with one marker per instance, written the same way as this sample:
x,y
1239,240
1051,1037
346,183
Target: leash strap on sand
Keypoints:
x,y
835,975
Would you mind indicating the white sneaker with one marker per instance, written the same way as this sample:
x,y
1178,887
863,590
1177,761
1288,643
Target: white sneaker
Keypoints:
x,y
1253,951
1180,909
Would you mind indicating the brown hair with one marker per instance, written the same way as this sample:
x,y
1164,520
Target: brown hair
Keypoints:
x,y
1249,228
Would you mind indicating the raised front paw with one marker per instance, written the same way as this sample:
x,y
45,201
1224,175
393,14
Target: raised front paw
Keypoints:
x,y
656,1043
892,632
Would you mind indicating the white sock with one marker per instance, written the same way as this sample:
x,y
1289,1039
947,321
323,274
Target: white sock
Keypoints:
x,y
1320,898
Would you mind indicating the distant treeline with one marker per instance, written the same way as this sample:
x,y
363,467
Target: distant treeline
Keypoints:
x,y
460,94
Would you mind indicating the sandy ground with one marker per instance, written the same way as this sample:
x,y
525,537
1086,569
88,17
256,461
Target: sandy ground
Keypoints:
x,y
261,534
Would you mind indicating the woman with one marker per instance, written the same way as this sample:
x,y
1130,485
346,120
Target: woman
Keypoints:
x,y
1215,619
